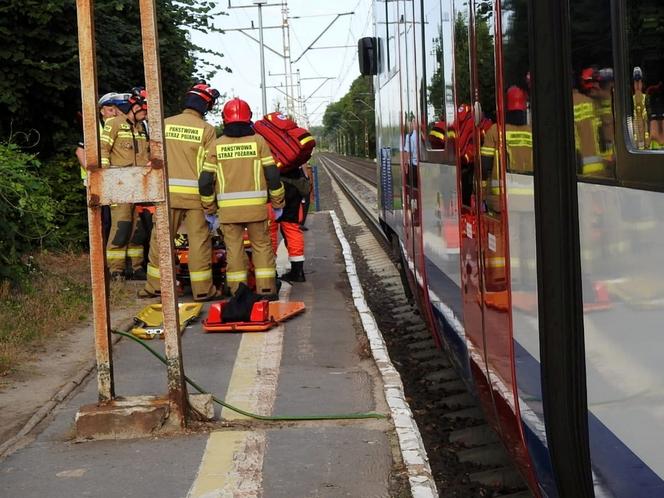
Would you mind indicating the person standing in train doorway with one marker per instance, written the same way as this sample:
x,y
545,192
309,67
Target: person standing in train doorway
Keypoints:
x,y
246,178
188,137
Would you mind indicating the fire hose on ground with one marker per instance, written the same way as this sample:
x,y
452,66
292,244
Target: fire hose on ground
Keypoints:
x,y
272,418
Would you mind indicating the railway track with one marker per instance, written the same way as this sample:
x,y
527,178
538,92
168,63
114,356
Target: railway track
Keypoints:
x,y
362,168
466,457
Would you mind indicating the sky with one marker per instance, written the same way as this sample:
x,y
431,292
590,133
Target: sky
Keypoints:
x,y
308,18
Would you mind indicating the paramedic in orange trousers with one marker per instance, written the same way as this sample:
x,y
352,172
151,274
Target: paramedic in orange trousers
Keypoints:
x,y
296,186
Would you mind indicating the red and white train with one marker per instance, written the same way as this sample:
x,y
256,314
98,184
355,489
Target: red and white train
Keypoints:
x,y
521,175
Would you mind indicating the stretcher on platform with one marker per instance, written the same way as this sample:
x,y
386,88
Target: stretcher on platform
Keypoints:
x,y
149,322
264,316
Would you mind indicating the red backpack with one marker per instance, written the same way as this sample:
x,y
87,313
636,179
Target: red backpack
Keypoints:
x,y
291,145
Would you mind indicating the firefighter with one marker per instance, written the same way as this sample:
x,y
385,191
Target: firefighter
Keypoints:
x,y
641,133
437,137
604,106
124,143
519,148
188,136
296,187
246,177
107,109
586,126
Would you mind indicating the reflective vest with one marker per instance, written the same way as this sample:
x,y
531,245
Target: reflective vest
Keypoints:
x,y
586,134
641,135
188,137
123,143
241,186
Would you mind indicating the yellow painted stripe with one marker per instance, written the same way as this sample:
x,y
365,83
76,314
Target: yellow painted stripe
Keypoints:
x,y
233,460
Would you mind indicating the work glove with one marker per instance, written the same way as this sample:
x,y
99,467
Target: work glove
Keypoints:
x,y
213,222
277,213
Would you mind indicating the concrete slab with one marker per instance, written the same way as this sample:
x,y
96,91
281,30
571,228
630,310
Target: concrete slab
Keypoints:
x,y
326,462
318,365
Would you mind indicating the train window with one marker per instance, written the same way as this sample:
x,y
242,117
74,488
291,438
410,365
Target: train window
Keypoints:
x,y
491,181
516,80
435,21
592,94
644,23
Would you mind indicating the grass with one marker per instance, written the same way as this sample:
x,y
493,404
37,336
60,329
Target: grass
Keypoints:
x,y
56,298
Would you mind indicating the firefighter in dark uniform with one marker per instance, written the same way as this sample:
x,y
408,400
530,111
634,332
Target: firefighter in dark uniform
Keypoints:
x,y
240,168
296,186
124,143
188,137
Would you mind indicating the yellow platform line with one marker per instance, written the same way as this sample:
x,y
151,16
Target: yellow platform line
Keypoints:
x,y
232,464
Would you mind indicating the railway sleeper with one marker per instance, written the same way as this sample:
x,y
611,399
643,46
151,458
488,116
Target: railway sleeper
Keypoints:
x,y
501,478
461,400
478,435
474,413
445,375
490,455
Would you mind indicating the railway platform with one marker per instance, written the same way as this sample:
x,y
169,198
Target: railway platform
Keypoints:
x,y
317,363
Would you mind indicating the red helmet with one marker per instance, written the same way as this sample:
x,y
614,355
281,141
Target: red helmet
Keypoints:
x,y
206,92
236,111
517,99
588,78
139,95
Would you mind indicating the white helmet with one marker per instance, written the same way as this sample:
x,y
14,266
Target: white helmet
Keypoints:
x,y
111,98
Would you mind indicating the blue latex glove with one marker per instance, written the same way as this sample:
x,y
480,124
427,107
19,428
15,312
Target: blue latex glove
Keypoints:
x,y
213,222
277,213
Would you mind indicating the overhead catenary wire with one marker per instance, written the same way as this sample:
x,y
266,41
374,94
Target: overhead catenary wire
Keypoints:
x,y
271,418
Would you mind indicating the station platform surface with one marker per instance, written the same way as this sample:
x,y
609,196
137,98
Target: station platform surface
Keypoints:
x,y
316,363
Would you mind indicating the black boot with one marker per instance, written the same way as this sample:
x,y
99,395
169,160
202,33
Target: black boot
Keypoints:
x,y
296,273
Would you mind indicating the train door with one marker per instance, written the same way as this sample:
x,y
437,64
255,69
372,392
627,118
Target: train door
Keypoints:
x,y
492,230
411,151
464,131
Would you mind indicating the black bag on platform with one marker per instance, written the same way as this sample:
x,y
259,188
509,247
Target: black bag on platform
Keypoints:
x,y
238,308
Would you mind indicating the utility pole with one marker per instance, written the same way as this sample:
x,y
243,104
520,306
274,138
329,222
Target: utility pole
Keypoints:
x,y
260,4
288,74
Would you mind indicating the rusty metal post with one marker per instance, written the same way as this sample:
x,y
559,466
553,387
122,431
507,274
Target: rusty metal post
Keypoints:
x,y
177,390
88,65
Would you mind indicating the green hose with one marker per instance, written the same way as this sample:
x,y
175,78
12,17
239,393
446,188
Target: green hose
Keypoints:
x,y
279,418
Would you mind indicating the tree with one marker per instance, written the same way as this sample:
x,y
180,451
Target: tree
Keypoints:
x,y
40,86
353,117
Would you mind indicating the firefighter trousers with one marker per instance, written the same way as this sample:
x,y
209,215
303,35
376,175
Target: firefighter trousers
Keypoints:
x,y
293,239
125,239
200,254
261,251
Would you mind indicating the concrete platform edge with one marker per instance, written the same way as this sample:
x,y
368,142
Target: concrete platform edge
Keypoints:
x,y
410,441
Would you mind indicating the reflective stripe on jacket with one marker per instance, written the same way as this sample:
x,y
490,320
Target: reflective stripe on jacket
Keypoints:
x,y
242,190
123,143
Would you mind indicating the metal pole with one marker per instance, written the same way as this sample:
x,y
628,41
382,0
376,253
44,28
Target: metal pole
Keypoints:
x,y
177,390
260,36
285,27
102,324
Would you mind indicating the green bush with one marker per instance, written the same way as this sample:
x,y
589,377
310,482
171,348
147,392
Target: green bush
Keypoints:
x,y
27,210
63,176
